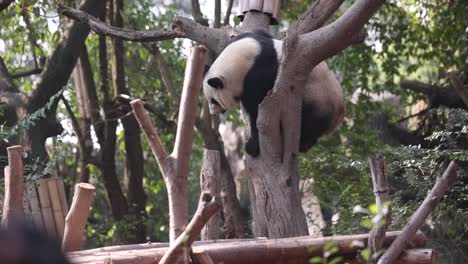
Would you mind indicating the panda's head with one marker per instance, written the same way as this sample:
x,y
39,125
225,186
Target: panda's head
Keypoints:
x,y
224,80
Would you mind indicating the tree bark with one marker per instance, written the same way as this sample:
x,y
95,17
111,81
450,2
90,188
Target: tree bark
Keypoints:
x,y
55,76
134,152
210,182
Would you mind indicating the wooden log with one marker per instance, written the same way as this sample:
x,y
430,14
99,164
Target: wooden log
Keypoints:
x,y
284,250
256,5
14,187
59,217
419,217
36,213
46,209
77,217
210,182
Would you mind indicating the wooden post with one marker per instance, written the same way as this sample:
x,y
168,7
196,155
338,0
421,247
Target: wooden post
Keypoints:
x,y
46,209
256,5
76,219
210,182
419,217
36,214
59,217
14,187
382,195
63,196
268,6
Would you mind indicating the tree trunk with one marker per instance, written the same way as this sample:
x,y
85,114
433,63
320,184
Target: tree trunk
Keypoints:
x,y
133,149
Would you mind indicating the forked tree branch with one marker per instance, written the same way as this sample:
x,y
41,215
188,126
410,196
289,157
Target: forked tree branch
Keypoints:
x,y
175,167
179,251
419,217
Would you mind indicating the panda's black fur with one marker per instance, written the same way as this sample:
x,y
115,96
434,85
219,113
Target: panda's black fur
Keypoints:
x,y
258,81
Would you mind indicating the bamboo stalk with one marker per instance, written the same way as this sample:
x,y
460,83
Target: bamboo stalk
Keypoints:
x,y
46,209
59,217
14,187
35,207
77,217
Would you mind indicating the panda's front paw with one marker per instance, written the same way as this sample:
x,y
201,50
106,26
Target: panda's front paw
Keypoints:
x,y
252,147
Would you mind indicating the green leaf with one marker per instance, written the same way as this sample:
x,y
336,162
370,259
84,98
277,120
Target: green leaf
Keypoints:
x,y
315,260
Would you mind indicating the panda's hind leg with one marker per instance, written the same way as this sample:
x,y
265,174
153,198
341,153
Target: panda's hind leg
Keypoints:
x,y
314,123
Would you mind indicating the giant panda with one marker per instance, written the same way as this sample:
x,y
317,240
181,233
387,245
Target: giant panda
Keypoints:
x,y
246,70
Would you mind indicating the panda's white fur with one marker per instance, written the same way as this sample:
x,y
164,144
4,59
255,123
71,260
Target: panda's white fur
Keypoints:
x,y
246,70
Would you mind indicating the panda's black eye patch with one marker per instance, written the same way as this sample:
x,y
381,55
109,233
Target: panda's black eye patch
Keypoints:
x,y
213,101
216,83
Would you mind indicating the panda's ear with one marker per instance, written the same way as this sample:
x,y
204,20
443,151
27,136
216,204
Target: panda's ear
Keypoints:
x,y
216,82
207,68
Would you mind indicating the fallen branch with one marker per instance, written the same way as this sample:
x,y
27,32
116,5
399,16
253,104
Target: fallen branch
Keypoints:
x,y
419,217
77,217
382,197
179,251
245,251
14,187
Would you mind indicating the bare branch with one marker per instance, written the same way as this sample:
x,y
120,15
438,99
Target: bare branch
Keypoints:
x,y
158,149
419,217
382,196
188,105
458,86
207,207
228,13
182,27
107,30
26,73
316,15
197,14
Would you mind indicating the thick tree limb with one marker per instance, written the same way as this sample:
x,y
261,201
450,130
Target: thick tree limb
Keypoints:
x,y
179,251
419,217
438,96
458,86
6,83
214,39
382,197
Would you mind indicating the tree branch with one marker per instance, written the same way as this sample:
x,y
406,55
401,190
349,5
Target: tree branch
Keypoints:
x,y
217,14
419,217
182,27
316,15
188,104
4,4
458,86
26,73
179,251
228,13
